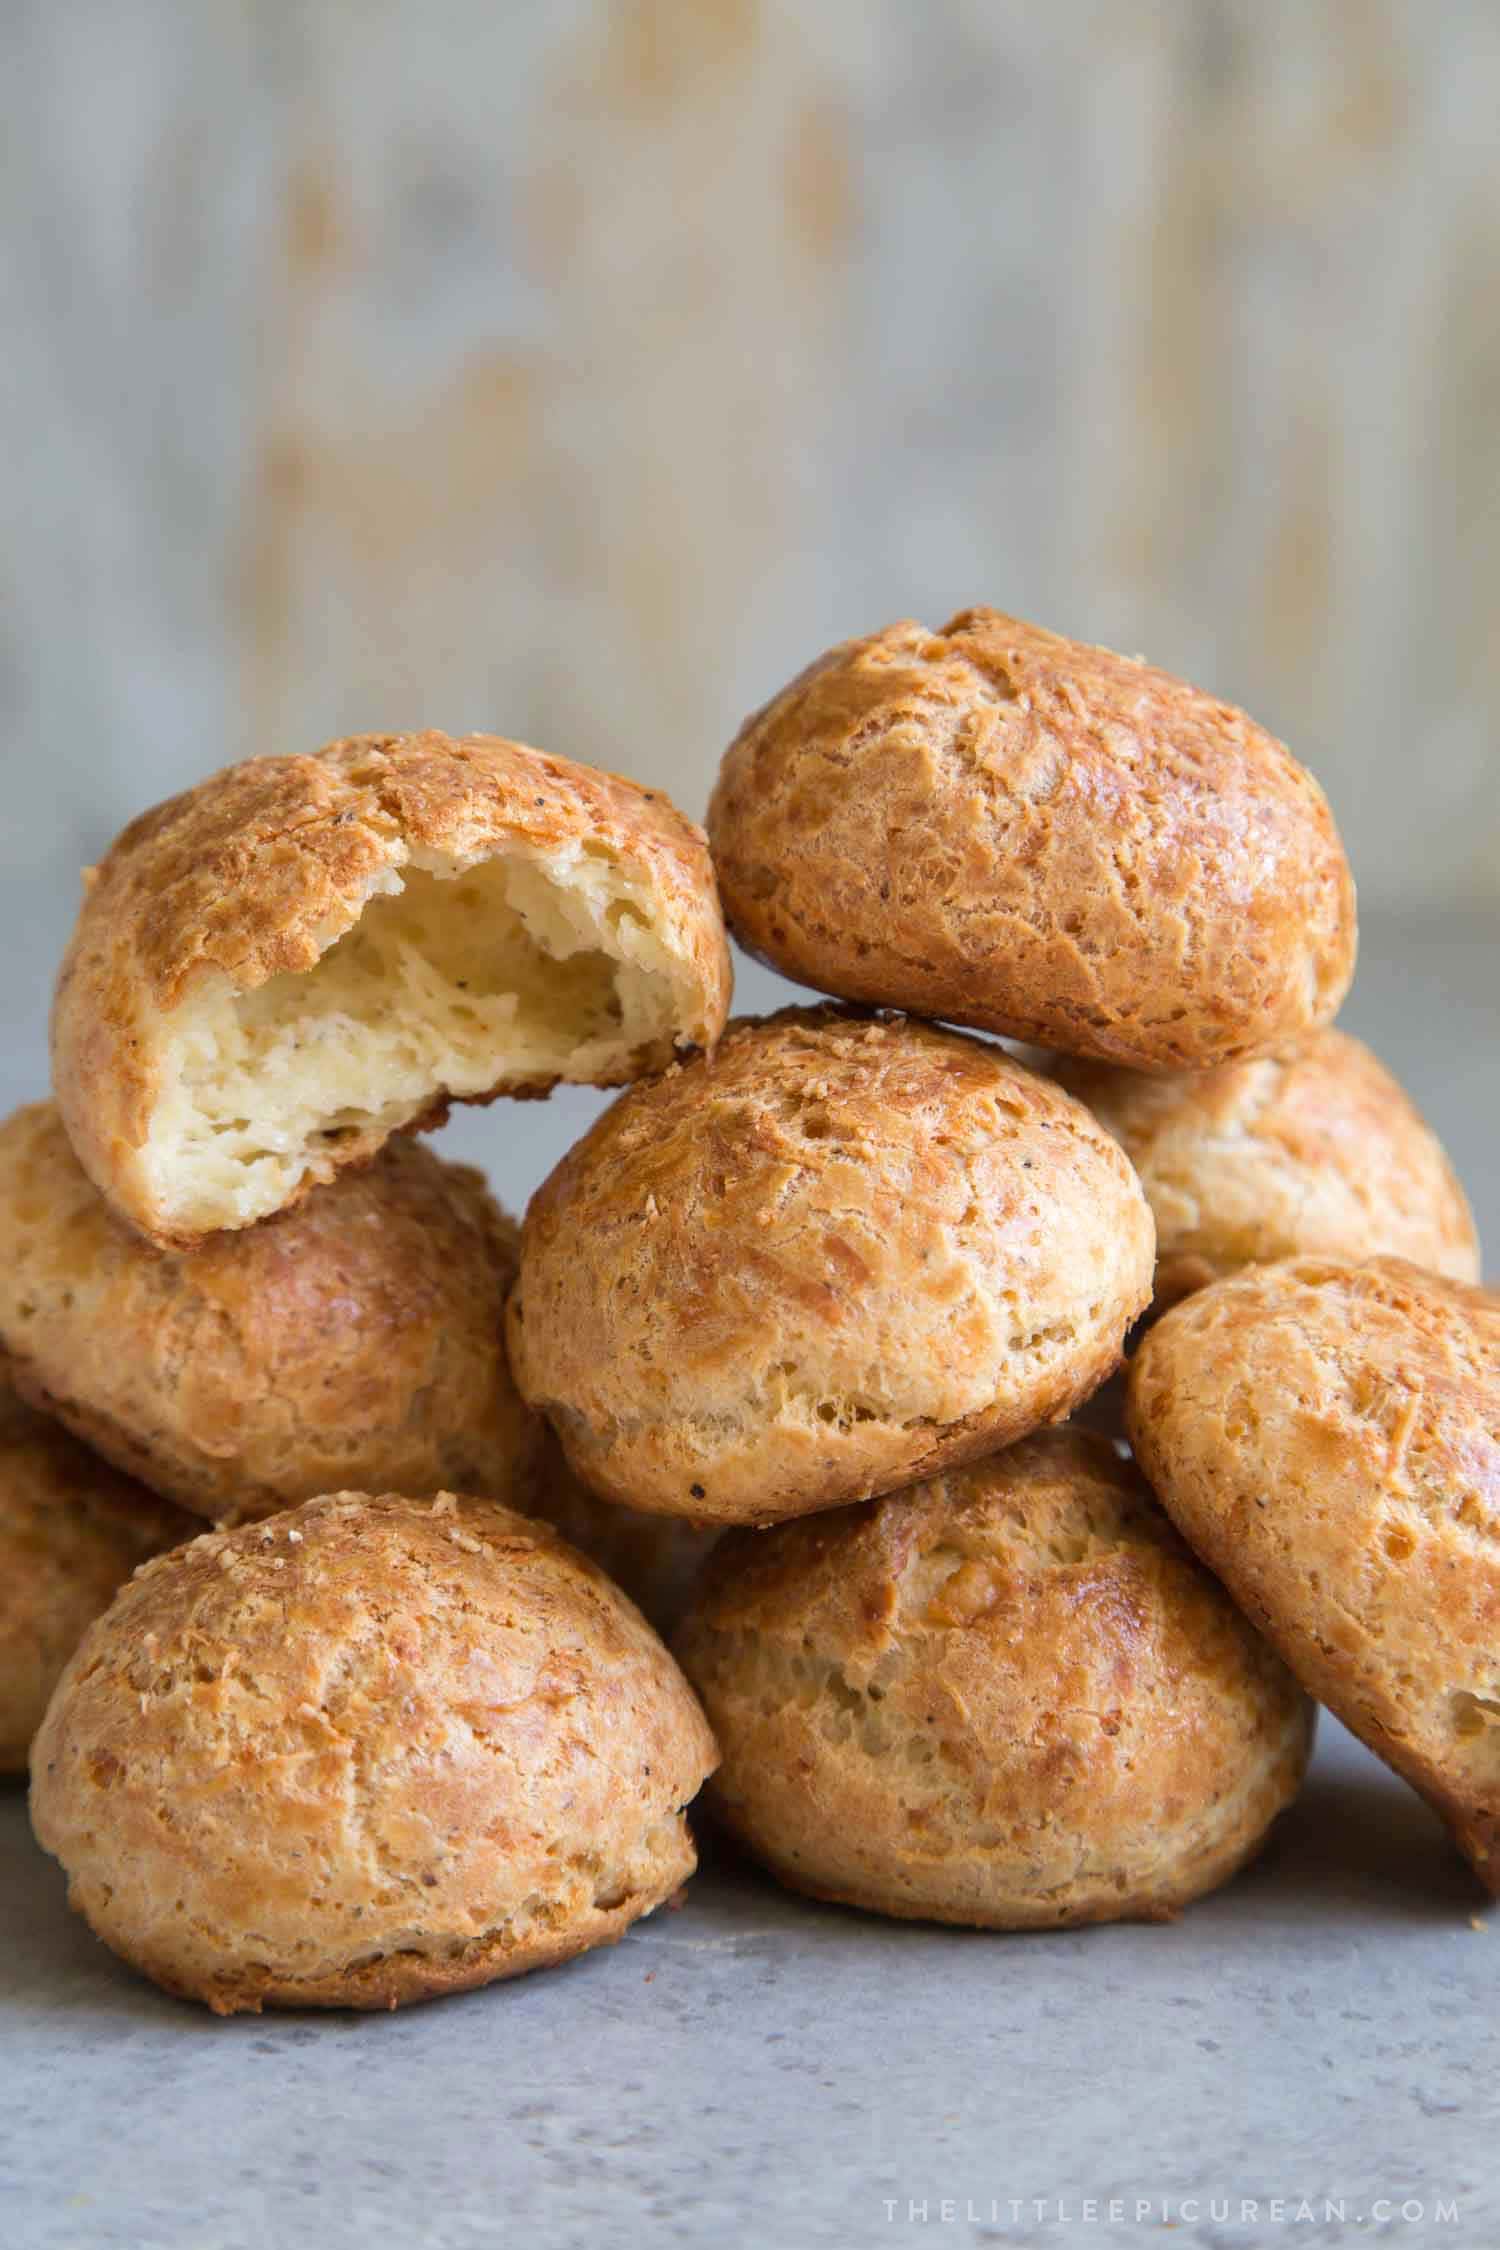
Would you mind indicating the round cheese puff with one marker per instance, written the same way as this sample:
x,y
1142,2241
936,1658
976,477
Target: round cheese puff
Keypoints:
x,y
358,1335
1001,827
840,1253
1315,1150
374,1750
1007,1697
1327,1436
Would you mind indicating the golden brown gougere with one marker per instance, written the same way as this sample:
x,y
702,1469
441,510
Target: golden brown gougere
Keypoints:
x,y
1008,1696
1313,1150
370,1751
357,1336
1000,827
1325,1435
275,971
837,1255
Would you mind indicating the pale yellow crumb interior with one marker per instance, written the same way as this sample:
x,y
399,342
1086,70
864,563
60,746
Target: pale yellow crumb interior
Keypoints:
x,y
520,968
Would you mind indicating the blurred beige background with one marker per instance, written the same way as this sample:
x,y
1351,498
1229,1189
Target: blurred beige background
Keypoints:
x,y
578,370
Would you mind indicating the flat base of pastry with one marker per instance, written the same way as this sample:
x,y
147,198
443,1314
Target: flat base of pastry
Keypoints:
x,y
401,1980
1068,1911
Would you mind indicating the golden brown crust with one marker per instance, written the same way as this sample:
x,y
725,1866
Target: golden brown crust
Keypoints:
x,y
358,1336
368,1752
1315,1151
71,1532
1325,1435
257,870
1007,1697
841,1253
997,826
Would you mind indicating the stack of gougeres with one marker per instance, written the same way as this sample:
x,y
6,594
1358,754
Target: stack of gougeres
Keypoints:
x,y
382,1733
798,1343
1032,1688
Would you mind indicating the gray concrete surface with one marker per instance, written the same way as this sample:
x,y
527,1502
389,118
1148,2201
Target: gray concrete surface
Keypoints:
x,y
765,2074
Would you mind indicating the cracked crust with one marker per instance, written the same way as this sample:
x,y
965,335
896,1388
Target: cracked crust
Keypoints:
x,y
1008,1697
1315,1151
839,1254
1325,1434
258,871
71,1532
1003,828
369,1752
357,1337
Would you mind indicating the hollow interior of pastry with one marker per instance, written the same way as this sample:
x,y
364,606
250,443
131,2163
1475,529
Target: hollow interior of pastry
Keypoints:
x,y
515,972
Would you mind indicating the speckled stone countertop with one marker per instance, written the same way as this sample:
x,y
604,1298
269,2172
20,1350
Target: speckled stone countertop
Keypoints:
x,y
1309,2057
